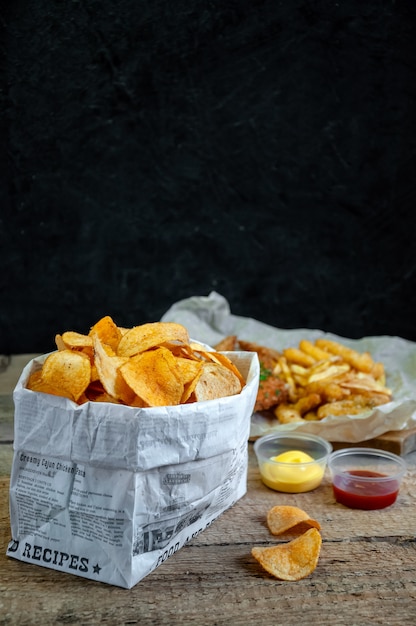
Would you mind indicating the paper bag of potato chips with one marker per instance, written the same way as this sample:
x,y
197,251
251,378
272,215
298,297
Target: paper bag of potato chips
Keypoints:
x,y
109,492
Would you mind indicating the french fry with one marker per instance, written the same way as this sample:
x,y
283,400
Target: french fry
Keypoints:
x,y
307,403
362,362
378,373
330,372
311,416
313,350
286,373
299,357
328,390
300,370
287,414
340,407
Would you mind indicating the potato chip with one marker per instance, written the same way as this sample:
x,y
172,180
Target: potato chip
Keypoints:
x,y
217,357
216,381
293,560
108,369
189,388
154,376
182,350
74,340
107,331
285,517
68,371
59,342
71,340
36,383
188,369
146,336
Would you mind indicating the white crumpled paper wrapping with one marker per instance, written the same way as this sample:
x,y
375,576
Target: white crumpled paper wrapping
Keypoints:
x,y
109,492
209,319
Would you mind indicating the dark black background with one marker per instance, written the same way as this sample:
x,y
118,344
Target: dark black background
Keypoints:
x,y
157,150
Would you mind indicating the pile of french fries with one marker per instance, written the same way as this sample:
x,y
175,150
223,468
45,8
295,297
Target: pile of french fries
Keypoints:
x,y
326,378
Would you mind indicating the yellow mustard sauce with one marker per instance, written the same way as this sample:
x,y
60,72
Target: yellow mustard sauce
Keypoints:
x,y
295,476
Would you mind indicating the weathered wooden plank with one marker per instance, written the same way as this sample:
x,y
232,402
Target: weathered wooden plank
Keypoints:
x,y
6,419
10,369
6,457
218,585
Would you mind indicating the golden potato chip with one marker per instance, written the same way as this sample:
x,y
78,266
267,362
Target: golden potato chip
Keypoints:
x,y
146,336
181,350
71,340
108,369
293,560
154,376
107,331
189,388
218,357
188,369
75,341
216,381
68,371
36,383
199,347
285,517
59,342
105,397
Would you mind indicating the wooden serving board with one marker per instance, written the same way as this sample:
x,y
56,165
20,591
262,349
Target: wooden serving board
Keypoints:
x,y
398,441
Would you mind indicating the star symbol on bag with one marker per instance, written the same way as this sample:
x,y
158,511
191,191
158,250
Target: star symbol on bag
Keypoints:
x,y
97,569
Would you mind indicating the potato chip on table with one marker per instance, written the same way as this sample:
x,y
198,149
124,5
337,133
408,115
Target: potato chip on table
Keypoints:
x,y
293,560
281,518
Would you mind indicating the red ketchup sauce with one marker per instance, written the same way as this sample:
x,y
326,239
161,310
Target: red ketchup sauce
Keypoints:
x,y
366,494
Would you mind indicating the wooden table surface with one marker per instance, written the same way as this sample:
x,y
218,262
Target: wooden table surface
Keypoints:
x,y
366,573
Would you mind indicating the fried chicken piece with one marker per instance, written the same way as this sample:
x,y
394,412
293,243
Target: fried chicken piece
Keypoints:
x,y
272,391
268,357
228,344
